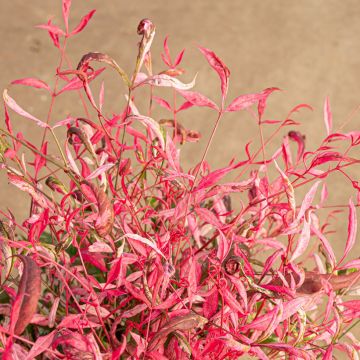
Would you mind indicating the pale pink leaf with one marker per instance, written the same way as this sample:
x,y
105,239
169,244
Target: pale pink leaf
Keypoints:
x,y
100,170
303,240
71,160
152,125
66,4
352,229
198,99
327,116
101,96
146,242
100,246
83,22
33,82
308,199
51,28
244,101
327,247
67,121
163,103
41,344
10,102
164,80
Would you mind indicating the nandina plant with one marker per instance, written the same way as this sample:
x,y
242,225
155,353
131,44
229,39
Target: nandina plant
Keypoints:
x,y
124,255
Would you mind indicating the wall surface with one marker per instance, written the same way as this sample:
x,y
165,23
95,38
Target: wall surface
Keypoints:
x,y
310,49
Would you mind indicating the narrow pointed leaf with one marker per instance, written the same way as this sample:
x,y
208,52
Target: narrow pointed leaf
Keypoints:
x,y
327,116
198,99
83,22
33,82
10,102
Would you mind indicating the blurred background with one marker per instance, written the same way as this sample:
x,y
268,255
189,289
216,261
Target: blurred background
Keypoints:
x,y
310,49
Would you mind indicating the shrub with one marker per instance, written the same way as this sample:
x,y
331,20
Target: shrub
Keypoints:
x,y
126,255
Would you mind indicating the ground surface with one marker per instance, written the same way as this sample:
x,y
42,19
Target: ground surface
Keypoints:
x,y
308,48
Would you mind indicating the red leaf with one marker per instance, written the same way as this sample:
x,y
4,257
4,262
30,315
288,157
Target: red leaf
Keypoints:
x,y
179,58
327,116
83,22
329,352
36,83
215,176
184,106
326,157
25,304
219,67
211,304
352,304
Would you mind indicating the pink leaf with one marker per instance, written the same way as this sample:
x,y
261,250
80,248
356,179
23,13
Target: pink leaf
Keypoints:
x,y
53,29
83,22
215,176
300,140
101,96
72,162
163,103
327,116
100,170
75,83
146,242
179,58
262,101
219,67
184,106
66,4
211,304
325,243
244,101
77,321
10,102
352,229
303,240
198,99
232,302
329,353
33,82
164,80
41,344
308,199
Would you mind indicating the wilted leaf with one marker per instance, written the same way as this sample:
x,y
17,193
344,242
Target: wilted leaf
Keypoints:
x,y
178,323
25,303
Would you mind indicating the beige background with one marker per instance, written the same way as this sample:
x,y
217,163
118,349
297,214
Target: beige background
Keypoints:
x,y
308,48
